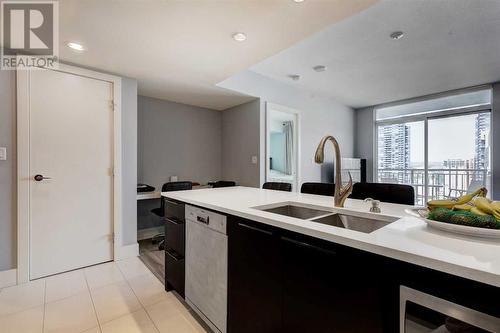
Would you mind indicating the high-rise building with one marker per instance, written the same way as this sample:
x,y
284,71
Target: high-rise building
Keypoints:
x,y
394,147
481,136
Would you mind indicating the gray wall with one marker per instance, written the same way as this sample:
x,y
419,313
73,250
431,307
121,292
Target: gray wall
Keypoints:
x,y
8,188
364,140
8,230
240,141
177,139
319,115
129,161
495,154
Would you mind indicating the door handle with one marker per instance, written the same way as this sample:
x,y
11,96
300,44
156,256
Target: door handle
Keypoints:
x,y
172,254
255,229
310,246
174,221
39,178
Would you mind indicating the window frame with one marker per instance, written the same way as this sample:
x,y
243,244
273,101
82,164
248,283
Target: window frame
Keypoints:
x,y
425,117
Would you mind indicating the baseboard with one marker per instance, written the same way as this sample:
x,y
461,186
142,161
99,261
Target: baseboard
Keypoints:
x,y
128,251
8,278
149,232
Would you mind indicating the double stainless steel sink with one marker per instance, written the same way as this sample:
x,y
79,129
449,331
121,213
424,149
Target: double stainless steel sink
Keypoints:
x,y
341,220
299,212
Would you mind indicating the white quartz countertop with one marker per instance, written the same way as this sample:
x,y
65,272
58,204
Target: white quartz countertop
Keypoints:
x,y
408,239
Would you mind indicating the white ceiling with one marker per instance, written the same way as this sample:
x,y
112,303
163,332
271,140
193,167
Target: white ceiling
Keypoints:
x,y
179,50
448,44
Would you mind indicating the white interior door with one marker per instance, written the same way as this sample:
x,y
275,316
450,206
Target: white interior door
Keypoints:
x,y
71,142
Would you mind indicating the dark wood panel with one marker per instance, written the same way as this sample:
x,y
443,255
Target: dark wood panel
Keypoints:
x,y
175,246
254,281
175,235
328,289
174,272
174,210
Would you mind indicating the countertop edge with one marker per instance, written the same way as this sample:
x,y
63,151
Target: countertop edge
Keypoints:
x,y
431,263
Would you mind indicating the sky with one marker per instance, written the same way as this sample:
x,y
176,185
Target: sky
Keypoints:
x,y
449,138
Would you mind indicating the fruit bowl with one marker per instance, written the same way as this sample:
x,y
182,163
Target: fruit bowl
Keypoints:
x,y
472,214
463,229
422,212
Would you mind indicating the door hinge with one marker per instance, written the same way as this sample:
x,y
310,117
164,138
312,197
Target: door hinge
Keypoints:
x,y
112,104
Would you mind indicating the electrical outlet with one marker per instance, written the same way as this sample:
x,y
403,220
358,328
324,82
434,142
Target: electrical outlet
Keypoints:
x,y
3,153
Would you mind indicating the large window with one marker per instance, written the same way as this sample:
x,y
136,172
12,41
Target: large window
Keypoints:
x,y
442,153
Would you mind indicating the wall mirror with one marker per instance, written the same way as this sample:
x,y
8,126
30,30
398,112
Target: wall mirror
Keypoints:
x,y
282,148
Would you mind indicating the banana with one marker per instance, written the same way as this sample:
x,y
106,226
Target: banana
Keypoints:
x,y
484,205
441,204
477,211
496,205
468,197
458,201
466,207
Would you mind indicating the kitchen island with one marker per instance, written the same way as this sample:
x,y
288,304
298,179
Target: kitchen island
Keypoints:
x,y
287,274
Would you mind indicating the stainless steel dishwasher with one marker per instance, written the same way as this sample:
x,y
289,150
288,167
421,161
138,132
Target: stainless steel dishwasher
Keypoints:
x,y
206,266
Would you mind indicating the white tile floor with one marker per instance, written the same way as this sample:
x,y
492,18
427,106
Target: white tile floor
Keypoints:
x,y
121,297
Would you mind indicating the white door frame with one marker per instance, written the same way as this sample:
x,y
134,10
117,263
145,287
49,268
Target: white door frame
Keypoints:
x,y
23,158
273,106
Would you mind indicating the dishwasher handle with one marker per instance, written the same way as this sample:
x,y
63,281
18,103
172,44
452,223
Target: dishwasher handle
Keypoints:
x,y
204,220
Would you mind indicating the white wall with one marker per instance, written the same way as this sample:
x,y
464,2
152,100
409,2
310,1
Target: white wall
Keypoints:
x,y
319,116
240,141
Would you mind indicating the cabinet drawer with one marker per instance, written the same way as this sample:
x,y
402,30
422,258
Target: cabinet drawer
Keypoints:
x,y
174,210
174,271
175,235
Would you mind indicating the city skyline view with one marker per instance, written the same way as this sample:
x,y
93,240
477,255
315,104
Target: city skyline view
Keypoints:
x,y
401,145
458,155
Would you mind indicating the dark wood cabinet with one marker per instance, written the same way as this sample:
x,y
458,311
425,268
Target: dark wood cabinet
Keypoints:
x,y
174,272
329,288
281,281
175,235
254,281
175,229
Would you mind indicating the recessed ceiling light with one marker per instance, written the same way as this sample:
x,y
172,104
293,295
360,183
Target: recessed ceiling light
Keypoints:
x,y
239,36
319,68
294,77
397,35
298,1
76,46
